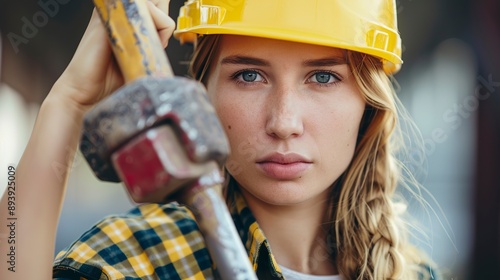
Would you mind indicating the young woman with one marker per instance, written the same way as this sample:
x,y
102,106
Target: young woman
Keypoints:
x,y
303,93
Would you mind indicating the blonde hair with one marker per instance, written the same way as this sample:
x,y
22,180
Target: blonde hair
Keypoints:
x,y
370,236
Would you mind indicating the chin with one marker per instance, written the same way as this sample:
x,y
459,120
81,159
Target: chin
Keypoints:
x,y
285,194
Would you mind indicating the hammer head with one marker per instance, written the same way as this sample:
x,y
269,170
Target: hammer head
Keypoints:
x,y
147,103
154,166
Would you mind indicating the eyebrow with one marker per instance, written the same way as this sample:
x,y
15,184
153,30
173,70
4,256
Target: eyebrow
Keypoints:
x,y
329,61
247,60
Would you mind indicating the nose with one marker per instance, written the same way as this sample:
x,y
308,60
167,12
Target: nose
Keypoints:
x,y
284,118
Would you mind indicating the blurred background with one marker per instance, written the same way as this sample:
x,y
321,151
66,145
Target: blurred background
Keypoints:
x,y
449,83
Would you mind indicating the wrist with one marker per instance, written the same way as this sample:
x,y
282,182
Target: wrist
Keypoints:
x,y
59,99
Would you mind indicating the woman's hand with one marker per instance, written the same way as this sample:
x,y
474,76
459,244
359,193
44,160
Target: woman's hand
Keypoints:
x,y
93,73
47,160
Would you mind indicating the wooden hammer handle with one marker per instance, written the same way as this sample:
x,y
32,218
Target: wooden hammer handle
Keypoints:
x,y
134,39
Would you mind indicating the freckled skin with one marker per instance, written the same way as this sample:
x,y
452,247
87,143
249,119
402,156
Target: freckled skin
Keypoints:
x,y
285,110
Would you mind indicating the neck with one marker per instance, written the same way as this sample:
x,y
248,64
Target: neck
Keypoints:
x,y
298,234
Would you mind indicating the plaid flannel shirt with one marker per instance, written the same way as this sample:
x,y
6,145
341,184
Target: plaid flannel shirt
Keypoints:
x,y
155,241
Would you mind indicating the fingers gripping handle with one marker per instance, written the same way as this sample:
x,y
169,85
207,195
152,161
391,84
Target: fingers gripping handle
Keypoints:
x,y
133,38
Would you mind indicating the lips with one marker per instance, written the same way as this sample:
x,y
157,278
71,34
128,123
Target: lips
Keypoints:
x,y
284,166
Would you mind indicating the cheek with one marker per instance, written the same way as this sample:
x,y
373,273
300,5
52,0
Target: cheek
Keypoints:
x,y
228,111
241,131
233,114
339,129
237,121
348,125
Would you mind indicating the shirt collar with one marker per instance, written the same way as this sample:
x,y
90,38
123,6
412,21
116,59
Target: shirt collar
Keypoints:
x,y
256,244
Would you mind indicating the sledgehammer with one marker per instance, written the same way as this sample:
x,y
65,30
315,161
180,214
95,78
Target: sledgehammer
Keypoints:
x,y
160,135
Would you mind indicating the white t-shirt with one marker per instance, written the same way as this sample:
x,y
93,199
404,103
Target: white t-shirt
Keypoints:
x,y
294,275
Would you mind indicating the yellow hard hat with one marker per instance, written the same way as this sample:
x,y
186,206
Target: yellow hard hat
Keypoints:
x,y
366,26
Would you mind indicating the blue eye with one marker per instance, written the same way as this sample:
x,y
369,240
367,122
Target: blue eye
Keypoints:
x,y
248,76
323,78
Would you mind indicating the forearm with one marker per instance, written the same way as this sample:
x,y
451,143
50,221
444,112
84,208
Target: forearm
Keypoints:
x,y
41,177
43,170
